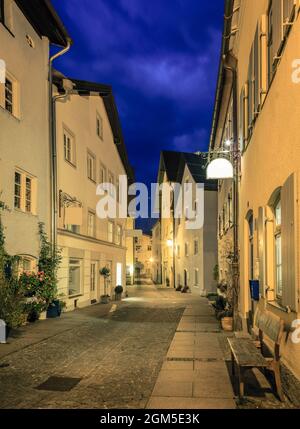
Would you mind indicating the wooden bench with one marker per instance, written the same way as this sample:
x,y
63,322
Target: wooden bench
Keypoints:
x,y
248,354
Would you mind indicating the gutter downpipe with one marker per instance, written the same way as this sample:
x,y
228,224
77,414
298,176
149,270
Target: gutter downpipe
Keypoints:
x,y
236,168
53,147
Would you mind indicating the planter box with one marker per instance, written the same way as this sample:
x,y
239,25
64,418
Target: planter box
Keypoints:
x,y
43,315
227,324
54,310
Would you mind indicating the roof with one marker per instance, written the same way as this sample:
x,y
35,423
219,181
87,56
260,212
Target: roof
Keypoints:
x,y
44,19
169,164
85,88
174,163
229,4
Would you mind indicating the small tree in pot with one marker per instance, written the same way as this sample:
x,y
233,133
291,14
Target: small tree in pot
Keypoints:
x,y
105,273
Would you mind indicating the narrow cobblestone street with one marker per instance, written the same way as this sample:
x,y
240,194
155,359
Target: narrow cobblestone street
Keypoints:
x,y
116,356
156,349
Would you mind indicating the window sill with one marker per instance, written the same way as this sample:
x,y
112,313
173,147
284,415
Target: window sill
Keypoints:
x,y
277,305
25,213
71,164
10,115
75,296
8,29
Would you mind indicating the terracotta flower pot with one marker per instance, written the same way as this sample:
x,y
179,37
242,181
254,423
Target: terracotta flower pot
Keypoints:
x,y
227,324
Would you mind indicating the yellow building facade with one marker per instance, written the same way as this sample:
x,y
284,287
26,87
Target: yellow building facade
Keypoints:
x,y
258,103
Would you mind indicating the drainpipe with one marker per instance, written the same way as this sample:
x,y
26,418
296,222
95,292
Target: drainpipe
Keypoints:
x,y
236,165
53,149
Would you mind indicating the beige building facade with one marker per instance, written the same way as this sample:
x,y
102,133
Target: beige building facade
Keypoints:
x,y
143,256
156,253
91,151
25,38
188,255
262,48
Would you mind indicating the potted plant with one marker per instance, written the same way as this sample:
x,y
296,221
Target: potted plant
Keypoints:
x,y
227,321
105,273
118,292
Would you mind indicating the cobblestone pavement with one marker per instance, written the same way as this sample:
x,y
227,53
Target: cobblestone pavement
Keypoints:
x,y
117,356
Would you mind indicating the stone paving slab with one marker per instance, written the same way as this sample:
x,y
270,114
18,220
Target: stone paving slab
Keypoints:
x,y
179,403
194,374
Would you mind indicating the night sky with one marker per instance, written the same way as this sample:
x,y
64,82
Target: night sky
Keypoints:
x,y
161,58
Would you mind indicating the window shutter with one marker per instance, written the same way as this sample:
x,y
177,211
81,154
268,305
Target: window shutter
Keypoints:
x,y
261,249
250,91
288,7
256,74
288,233
263,58
277,19
242,97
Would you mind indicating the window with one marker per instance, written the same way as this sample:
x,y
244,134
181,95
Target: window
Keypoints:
x,y
186,249
196,247
91,166
251,247
69,148
73,228
24,193
9,96
110,231
111,183
99,126
230,210
27,264
178,251
102,174
196,277
278,249
91,227
2,11
75,277
93,277
118,235
18,190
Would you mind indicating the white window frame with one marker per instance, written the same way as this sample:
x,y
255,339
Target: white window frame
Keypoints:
x,y
91,226
70,155
23,197
99,126
91,166
278,249
93,281
75,262
15,91
196,247
110,233
118,235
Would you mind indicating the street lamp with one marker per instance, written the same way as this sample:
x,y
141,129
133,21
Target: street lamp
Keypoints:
x,y
170,243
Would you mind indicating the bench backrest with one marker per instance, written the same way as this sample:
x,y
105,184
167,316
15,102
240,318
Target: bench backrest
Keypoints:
x,y
270,325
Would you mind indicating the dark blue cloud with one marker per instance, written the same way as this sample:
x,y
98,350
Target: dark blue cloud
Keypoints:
x,y
161,58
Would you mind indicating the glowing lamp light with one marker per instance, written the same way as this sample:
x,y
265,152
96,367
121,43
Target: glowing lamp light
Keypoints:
x,y
151,260
219,168
170,243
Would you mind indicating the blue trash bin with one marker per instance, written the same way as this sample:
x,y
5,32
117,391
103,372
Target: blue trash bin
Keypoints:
x,y
254,289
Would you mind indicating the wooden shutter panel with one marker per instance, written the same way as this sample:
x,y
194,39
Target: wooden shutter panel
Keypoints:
x,y
256,74
277,19
242,98
263,58
250,91
261,249
288,233
288,7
